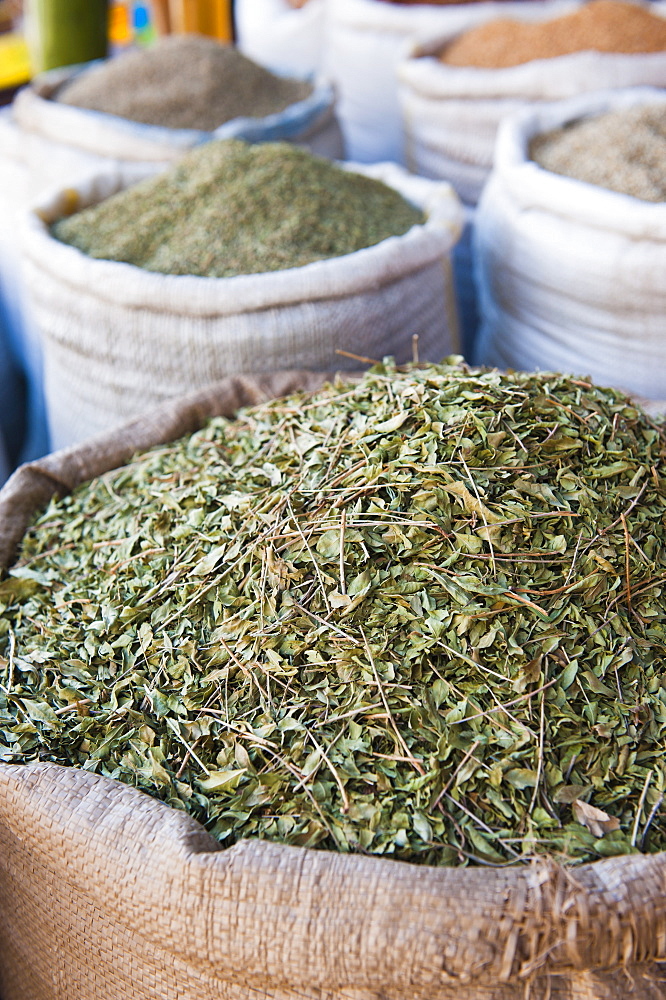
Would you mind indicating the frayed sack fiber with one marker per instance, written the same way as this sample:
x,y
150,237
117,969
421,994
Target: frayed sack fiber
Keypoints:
x,y
572,277
118,339
64,143
108,894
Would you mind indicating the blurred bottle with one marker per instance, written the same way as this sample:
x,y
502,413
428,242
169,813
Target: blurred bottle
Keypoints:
x,y
64,32
121,34
142,23
203,17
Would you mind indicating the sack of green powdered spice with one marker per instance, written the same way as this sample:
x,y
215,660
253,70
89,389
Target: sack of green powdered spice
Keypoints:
x,y
352,260
499,651
152,105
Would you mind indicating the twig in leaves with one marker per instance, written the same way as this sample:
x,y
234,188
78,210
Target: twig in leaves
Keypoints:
x,y
639,807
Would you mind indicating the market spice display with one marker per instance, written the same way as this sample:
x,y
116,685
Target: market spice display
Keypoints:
x,y
418,615
602,25
231,208
183,81
624,151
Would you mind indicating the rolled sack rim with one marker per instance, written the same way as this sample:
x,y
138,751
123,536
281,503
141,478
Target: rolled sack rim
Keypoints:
x,y
100,132
547,918
531,186
556,78
417,20
338,277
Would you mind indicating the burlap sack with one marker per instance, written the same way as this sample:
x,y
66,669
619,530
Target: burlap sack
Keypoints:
x,y
118,339
107,894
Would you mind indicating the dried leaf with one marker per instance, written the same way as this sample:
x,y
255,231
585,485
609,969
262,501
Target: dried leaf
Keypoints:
x,y
598,822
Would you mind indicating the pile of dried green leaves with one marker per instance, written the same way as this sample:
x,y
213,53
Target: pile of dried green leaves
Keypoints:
x,y
421,616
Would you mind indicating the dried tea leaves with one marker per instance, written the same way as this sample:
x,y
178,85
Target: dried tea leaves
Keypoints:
x,y
230,208
183,81
420,615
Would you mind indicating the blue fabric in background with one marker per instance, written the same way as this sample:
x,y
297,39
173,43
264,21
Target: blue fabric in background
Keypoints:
x,y
22,409
13,397
465,285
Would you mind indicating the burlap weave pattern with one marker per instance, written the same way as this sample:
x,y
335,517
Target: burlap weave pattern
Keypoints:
x,y
107,894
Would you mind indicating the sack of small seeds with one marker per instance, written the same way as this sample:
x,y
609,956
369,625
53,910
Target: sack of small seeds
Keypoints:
x,y
572,268
175,608
454,91
151,105
241,258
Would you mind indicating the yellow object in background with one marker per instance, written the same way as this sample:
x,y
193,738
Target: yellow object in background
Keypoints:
x,y
205,17
14,61
120,23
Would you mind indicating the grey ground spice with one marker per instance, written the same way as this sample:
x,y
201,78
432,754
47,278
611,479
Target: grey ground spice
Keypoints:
x,y
231,208
601,25
184,81
622,150
418,615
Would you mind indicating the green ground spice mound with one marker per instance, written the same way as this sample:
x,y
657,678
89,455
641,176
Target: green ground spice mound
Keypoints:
x,y
183,81
230,208
420,615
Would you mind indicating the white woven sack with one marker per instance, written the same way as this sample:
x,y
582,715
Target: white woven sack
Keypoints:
x,y
365,42
451,114
572,277
64,143
118,338
276,35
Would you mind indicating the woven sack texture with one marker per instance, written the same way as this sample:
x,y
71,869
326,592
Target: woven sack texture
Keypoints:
x,y
107,894
365,41
117,338
572,277
64,143
285,39
451,114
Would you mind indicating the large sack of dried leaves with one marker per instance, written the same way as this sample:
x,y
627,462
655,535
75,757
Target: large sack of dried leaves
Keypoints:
x,y
151,106
107,894
118,338
572,275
